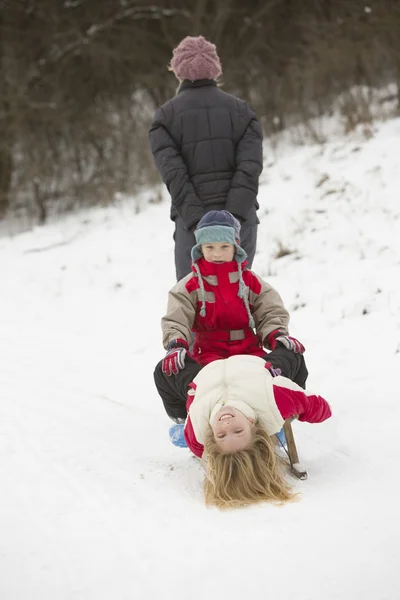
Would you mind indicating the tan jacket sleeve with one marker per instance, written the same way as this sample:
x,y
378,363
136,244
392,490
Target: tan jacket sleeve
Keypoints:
x,y
181,313
269,312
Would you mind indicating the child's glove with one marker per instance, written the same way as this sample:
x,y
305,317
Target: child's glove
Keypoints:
x,y
174,360
177,436
286,340
274,372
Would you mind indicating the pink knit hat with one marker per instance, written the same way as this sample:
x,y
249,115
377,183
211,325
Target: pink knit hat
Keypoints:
x,y
195,58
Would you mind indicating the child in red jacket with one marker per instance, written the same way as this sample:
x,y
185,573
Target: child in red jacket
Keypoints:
x,y
230,309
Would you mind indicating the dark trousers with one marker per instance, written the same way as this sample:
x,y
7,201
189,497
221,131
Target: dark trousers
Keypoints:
x,y
173,389
185,240
292,365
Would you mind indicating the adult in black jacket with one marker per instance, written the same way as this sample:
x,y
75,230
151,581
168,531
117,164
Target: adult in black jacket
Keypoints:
x,y
207,146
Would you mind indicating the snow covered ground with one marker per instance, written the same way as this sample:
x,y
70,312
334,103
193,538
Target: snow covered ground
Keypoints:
x,y
95,502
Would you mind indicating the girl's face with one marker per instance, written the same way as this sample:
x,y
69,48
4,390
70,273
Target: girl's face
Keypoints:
x,y
232,429
218,252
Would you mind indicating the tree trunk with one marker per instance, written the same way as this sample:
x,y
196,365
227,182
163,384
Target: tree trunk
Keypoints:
x,y
6,139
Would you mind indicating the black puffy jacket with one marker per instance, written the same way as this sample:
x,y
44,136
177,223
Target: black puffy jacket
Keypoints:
x,y
207,146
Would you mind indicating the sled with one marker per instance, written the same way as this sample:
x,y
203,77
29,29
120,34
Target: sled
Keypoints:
x,y
291,451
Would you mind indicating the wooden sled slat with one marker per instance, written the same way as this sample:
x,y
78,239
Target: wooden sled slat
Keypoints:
x,y
291,450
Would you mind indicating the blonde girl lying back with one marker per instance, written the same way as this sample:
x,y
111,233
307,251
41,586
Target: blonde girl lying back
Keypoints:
x,y
234,406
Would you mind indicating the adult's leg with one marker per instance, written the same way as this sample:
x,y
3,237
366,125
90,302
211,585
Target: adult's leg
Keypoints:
x,y
291,364
184,242
173,389
248,240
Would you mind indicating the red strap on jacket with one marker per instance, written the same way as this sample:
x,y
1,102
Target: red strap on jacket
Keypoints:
x,y
228,335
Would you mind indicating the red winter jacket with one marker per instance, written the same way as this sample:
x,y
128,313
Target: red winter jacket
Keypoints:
x,y
224,330
273,399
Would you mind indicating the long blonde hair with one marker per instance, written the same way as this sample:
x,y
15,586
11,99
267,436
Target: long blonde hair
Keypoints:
x,y
248,476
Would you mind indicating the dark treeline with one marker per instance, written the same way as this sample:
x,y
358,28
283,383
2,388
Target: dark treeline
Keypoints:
x,y
79,80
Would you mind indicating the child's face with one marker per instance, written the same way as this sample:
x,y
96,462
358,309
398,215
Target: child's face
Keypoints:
x,y
232,429
218,252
